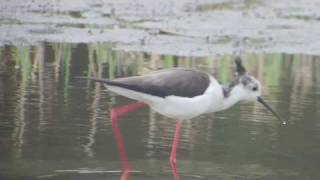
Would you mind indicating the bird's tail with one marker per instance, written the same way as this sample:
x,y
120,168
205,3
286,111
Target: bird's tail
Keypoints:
x,y
128,90
105,81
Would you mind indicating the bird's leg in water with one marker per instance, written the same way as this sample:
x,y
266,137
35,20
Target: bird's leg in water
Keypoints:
x,y
173,154
116,113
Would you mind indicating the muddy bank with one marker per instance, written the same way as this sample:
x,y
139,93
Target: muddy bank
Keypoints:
x,y
191,27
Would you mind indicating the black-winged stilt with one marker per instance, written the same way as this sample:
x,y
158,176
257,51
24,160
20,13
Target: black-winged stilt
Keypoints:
x,y
183,94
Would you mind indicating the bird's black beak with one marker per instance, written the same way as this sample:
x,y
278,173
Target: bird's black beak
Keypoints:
x,y
270,109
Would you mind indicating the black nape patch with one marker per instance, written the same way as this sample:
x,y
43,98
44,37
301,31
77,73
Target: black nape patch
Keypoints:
x,y
227,88
244,80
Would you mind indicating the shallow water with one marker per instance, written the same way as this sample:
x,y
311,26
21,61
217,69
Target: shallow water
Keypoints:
x,y
55,126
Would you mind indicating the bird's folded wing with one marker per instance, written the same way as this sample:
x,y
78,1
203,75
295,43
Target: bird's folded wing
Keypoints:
x,y
177,82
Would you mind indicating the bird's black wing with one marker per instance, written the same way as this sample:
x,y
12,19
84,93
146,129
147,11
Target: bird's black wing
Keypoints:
x,y
178,82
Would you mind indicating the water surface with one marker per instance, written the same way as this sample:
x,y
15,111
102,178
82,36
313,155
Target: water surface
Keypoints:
x,y
54,126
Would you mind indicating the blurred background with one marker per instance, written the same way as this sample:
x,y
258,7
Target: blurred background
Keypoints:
x,y
55,126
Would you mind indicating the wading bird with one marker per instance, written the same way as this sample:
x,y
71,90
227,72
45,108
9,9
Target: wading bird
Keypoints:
x,y
183,94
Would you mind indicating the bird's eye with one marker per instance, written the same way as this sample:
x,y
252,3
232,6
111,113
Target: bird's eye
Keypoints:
x,y
255,88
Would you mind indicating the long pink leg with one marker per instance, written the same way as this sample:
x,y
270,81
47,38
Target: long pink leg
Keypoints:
x,y
123,110
173,154
116,113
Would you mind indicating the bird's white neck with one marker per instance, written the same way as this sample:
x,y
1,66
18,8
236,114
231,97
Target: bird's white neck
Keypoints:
x,y
232,97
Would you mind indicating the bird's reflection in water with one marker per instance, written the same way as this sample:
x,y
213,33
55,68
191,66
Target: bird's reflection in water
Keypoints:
x,y
116,114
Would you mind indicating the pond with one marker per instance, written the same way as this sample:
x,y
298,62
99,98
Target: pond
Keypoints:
x,y
56,126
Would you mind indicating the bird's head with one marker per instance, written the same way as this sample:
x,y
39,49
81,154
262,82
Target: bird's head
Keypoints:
x,y
249,87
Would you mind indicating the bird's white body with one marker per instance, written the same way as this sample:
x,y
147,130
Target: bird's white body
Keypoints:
x,y
184,108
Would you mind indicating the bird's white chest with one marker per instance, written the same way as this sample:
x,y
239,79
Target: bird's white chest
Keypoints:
x,y
187,108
